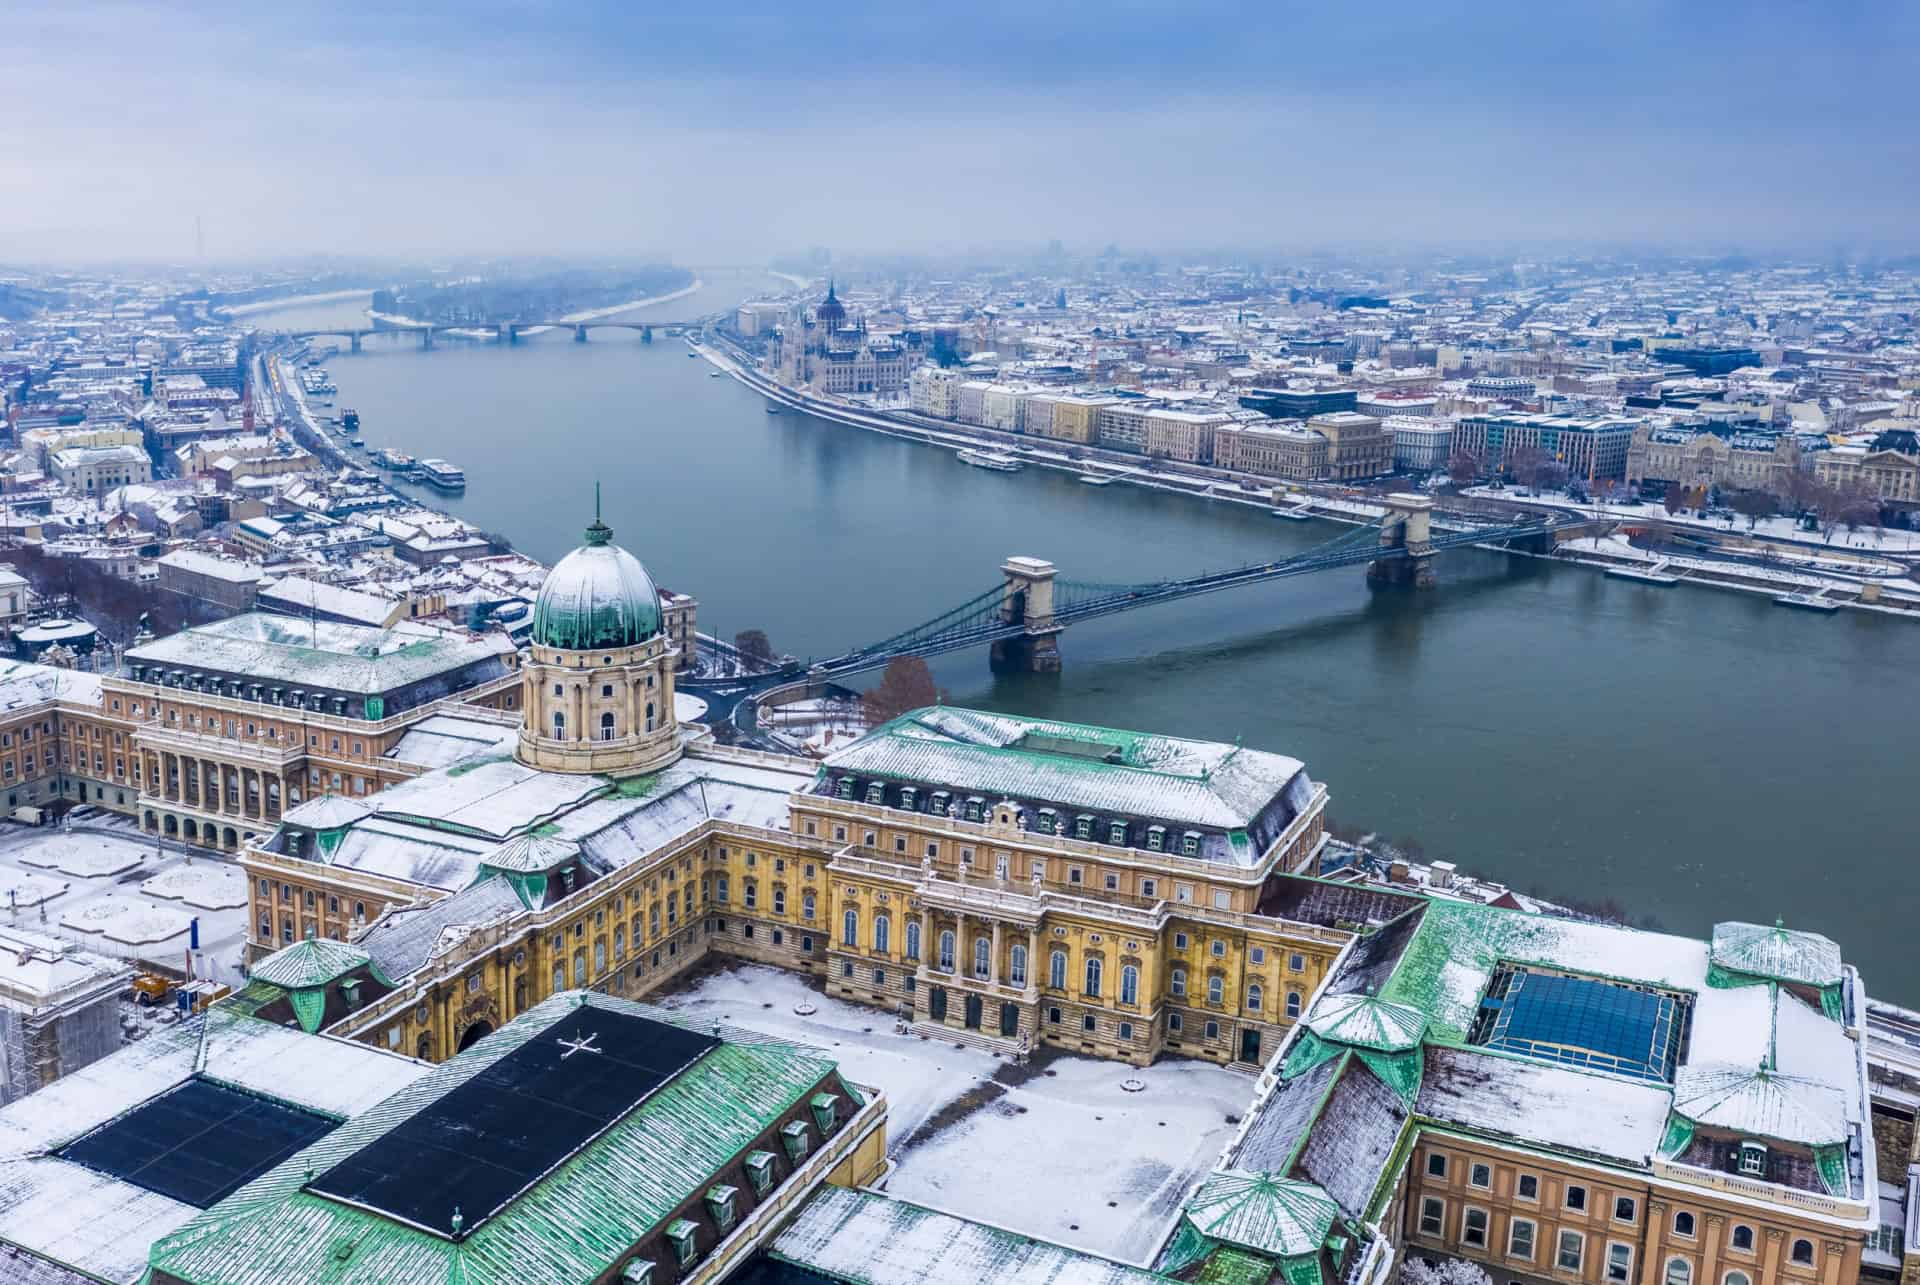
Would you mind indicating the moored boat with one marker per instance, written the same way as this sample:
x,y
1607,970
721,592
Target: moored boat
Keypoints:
x,y
993,460
441,474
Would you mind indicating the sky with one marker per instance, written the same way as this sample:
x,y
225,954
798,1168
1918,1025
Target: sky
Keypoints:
x,y
721,133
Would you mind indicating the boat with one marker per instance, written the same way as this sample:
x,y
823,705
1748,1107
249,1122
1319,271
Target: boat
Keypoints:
x,y
1654,573
1298,513
1097,479
772,409
394,461
1807,602
994,460
349,421
714,374
441,474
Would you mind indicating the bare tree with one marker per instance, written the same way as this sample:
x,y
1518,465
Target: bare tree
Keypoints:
x,y
1463,467
1754,505
906,684
754,648
1675,499
1526,465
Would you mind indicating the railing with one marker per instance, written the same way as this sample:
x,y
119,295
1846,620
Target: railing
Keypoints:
x,y
987,896
162,738
1748,1188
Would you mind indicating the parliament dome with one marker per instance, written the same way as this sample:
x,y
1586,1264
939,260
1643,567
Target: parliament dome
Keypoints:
x,y
598,597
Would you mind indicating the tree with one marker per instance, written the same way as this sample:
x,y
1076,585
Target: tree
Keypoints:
x,y
1463,467
754,648
1447,1271
1675,499
1527,464
905,684
1754,505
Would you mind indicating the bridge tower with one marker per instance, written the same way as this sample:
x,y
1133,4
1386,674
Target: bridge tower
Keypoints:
x,y
1028,600
426,338
1409,526
579,334
646,334
354,339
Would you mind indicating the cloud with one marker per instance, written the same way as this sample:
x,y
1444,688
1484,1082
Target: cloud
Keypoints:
x,y
744,130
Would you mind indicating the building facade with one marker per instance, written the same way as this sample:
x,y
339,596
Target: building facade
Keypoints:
x,y
1590,449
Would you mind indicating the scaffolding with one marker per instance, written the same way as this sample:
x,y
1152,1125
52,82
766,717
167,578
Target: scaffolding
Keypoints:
x,y
59,1010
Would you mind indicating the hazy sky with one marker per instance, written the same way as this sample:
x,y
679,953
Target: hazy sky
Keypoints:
x,y
734,131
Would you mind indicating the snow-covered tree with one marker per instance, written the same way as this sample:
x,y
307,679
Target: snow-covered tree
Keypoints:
x,y
1449,1271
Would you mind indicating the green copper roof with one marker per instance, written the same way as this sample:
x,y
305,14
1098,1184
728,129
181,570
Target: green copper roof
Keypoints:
x,y
575,1224
1762,1103
531,854
1777,953
599,596
313,962
1258,1211
1369,1022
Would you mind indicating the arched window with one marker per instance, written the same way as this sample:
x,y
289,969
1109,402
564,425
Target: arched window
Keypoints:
x,y
850,928
559,725
1743,1237
1017,966
1092,989
1679,1272
559,978
1129,984
1683,1223
620,942
750,894
882,934
1293,1003
606,727
720,888
1736,1278
946,951
1803,1252
779,900
1057,970
913,940
649,716
806,905
1216,989
599,956
982,958
1178,983
579,968
1255,998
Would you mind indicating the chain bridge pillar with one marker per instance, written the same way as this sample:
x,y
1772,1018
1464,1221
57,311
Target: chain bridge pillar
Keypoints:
x,y
426,338
579,334
1409,526
354,340
1028,600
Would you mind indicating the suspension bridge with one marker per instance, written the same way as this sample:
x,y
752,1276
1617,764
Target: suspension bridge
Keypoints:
x,y
1021,617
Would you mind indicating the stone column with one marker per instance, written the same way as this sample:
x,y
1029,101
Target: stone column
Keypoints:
x,y
995,971
1710,1245
1033,956
962,952
927,943
634,721
1653,1260
580,729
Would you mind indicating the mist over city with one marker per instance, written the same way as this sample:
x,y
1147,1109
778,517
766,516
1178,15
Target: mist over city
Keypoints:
x,y
996,645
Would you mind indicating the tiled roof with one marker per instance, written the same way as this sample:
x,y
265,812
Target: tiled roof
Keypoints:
x,y
1259,1211
313,962
1777,953
1761,1103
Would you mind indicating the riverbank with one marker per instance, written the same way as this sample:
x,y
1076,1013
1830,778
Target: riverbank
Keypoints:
x,y
1903,602
292,301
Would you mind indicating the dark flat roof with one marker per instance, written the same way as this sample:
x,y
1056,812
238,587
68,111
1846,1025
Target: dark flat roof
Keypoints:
x,y
477,1147
198,1142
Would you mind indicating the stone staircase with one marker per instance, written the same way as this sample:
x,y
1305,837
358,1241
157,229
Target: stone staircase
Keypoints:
x,y
998,1045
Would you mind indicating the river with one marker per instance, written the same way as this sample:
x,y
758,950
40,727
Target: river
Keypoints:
x,y
1693,754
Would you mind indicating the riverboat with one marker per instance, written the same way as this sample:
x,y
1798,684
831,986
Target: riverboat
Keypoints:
x,y
1298,513
1807,602
394,461
441,474
772,409
993,460
1097,479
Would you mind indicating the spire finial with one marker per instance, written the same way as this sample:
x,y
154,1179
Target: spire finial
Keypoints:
x,y
599,533
596,499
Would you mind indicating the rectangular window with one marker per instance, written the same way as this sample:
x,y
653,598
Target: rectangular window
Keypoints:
x,y
1619,1263
1576,1196
1520,1239
1572,1247
1473,1228
1433,1217
1480,1176
1624,1209
1436,1165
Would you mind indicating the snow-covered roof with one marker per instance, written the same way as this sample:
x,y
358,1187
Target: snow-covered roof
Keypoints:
x,y
313,962
321,654
877,1240
103,1225
1777,953
1262,1212
1367,1021
328,812
1544,1104
531,854
1758,1102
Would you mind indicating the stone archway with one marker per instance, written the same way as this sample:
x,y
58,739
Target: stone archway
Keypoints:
x,y
153,822
473,1035
231,839
190,830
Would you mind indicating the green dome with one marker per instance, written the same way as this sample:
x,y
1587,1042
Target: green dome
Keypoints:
x,y
599,597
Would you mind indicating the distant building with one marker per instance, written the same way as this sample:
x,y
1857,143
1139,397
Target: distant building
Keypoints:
x,y
1659,456
95,470
1887,467
59,1010
1502,388
1183,435
1420,444
227,583
1588,448
1272,448
935,390
1358,447
1299,403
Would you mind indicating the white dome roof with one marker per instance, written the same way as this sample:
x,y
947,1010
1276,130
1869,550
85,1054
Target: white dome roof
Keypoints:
x,y
599,596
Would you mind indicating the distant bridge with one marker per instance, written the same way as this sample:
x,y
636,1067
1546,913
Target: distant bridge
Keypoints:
x,y
1021,618
507,332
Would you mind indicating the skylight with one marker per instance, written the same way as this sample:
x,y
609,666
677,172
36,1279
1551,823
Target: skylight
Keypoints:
x,y
1583,1021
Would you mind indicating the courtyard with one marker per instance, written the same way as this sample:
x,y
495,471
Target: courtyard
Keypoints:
x,y
1104,1152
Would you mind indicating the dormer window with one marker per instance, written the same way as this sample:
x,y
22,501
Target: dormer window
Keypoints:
x,y
1117,833
1156,838
1046,821
721,1204
876,792
682,1234
826,1111
907,797
843,788
939,807
1752,1160
760,1171
793,1137
1083,826
976,807
638,1271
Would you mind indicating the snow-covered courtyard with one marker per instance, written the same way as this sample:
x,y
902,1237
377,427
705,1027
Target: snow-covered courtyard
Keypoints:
x,y
84,855
206,884
1099,1167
